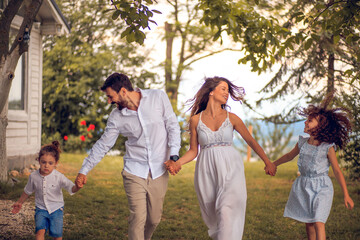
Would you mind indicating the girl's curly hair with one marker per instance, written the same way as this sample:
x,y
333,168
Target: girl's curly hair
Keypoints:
x,y
53,149
334,124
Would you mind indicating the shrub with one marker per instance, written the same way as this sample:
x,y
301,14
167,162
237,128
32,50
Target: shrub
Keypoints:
x,y
82,142
351,153
351,156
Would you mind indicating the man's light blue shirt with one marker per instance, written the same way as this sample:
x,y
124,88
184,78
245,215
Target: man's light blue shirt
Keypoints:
x,y
153,134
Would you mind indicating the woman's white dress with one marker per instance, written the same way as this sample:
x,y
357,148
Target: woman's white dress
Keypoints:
x,y
220,182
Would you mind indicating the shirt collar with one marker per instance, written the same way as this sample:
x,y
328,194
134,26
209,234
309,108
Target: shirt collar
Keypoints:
x,y
38,172
127,112
143,92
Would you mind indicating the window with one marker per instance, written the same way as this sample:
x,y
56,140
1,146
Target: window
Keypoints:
x,y
16,95
17,90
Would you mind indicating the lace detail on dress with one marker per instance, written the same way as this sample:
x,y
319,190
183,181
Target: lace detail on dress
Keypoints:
x,y
216,144
214,136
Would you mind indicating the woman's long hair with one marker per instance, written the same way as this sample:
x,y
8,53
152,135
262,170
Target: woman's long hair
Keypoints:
x,y
334,124
199,102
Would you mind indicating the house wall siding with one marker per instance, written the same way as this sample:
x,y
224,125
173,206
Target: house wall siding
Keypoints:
x,y
23,133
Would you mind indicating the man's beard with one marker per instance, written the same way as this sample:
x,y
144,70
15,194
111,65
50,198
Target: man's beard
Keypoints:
x,y
120,105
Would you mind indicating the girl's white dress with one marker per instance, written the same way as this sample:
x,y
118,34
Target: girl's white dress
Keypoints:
x,y
220,182
312,192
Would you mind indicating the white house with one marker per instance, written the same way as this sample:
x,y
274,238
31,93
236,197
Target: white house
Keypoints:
x,y
23,133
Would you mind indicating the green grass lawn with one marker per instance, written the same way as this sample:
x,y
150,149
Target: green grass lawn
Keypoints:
x,y
99,210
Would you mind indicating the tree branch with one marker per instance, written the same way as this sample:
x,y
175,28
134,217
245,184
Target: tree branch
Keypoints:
x,y
30,13
5,22
329,5
210,54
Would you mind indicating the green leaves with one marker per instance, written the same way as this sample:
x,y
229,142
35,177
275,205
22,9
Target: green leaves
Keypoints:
x,y
76,65
116,14
136,15
133,34
308,43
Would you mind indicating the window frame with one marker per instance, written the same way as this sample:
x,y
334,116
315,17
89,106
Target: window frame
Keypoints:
x,y
22,71
22,114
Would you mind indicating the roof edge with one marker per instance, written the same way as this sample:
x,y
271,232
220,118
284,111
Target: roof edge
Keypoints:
x,y
60,14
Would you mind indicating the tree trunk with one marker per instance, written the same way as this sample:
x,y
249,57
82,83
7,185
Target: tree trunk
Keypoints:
x,y
7,68
331,71
170,84
169,43
8,62
3,157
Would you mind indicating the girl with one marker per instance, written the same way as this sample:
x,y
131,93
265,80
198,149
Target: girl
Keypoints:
x,y
47,183
312,192
219,174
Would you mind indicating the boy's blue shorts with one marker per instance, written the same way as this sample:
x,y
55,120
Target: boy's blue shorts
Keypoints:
x,y
52,222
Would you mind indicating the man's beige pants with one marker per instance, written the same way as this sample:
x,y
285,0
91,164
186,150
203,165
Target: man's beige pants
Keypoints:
x,y
145,198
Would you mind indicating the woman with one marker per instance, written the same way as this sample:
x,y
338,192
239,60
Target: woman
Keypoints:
x,y
219,174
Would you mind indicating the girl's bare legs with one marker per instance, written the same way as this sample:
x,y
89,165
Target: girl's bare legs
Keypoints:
x,y
58,238
40,235
320,231
310,230
315,231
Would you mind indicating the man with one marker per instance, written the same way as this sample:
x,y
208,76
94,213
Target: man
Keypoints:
x,y
147,119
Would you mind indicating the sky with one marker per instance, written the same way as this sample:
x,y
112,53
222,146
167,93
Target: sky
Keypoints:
x,y
224,64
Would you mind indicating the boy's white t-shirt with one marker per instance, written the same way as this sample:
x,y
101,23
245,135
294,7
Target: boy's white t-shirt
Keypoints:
x,y
48,189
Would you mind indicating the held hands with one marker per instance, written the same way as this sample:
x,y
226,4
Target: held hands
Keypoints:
x,y
16,207
80,180
75,188
270,169
172,167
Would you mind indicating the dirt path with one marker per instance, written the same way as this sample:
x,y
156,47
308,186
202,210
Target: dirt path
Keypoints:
x,y
16,226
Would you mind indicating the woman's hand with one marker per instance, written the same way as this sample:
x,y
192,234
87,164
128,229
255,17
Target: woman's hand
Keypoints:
x,y
172,167
270,169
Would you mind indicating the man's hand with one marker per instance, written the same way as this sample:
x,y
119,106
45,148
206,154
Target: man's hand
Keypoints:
x,y
172,167
80,180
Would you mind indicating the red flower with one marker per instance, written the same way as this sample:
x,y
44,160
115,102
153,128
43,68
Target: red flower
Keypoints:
x,y
82,138
83,123
91,127
66,138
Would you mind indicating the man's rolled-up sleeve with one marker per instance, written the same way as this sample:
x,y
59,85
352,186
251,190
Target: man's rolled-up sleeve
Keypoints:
x,y
171,125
